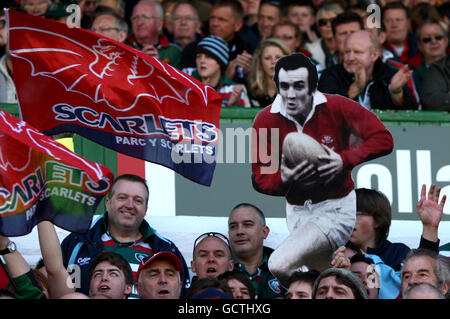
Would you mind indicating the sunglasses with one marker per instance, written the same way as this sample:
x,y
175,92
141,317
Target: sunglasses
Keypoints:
x,y
211,234
429,39
324,22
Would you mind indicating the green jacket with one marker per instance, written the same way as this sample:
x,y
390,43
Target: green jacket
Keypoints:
x,y
26,289
266,285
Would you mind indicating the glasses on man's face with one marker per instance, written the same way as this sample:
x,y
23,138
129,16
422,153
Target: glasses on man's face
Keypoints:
x,y
104,29
2,23
438,37
143,17
323,22
211,234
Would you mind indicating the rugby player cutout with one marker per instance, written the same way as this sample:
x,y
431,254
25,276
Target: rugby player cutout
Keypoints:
x,y
318,186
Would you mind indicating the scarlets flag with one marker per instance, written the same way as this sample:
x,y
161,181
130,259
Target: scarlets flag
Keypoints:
x,y
40,179
72,80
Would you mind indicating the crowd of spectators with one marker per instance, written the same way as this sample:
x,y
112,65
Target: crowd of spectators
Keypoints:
x,y
409,44
232,266
390,61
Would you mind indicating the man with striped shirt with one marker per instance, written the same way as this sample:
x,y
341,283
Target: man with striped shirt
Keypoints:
x,y
123,230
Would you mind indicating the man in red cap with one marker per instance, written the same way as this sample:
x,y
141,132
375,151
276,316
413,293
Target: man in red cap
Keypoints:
x,y
159,277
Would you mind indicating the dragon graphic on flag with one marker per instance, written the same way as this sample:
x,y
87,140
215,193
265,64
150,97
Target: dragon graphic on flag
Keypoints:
x,y
73,80
40,179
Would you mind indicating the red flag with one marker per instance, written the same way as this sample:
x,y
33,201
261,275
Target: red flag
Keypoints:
x,y
70,79
40,179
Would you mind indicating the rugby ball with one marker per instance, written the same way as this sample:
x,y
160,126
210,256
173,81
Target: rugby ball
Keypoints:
x,y
298,147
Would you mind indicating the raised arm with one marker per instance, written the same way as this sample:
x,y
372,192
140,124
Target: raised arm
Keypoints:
x,y
59,279
430,212
17,265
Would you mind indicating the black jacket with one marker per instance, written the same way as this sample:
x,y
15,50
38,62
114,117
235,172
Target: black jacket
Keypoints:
x,y
336,80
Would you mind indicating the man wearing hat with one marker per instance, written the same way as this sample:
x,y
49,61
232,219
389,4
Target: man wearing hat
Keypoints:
x,y
211,57
338,283
159,277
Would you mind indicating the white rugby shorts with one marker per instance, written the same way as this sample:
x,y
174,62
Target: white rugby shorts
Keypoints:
x,y
335,217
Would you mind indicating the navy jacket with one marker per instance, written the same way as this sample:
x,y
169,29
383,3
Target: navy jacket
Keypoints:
x,y
81,250
393,254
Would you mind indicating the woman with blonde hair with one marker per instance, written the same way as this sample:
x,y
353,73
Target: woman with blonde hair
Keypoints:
x,y
261,86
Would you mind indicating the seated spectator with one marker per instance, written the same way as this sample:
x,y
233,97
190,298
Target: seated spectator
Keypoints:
x,y
423,291
35,7
432,41
373,220
301,13
261,86
363,77
211,60
240,285
337,283
399,40
291,36
424,265
109,24
110,274
269,14
127,236
300,284
342,26
147,23
186,23
215,289
323,49
247,230
435,88
211,256
159,276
